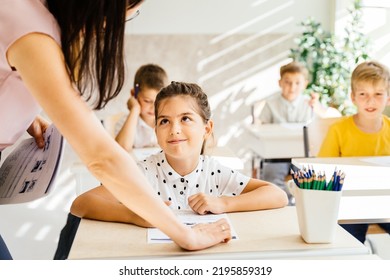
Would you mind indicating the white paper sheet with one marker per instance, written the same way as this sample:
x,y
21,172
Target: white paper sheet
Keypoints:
x,y
189,218
28,172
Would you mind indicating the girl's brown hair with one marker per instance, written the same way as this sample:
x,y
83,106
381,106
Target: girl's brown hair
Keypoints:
x,y
186,89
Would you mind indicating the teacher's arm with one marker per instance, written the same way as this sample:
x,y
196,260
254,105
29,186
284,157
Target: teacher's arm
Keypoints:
x,y
41,65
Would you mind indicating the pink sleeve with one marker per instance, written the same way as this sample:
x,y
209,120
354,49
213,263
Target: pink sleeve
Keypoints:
x,y
21,17
18,108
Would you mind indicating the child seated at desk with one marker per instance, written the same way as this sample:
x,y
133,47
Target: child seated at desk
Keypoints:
x,y
367,133
136,130
180,174
291,106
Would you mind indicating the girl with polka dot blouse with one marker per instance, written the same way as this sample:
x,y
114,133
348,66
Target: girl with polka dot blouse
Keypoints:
x,y
180,174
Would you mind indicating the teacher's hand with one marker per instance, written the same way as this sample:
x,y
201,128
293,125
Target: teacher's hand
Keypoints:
x,y
37,129
202,236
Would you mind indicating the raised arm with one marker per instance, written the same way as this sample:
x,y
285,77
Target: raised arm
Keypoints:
x,y
316,105
126,135
40,62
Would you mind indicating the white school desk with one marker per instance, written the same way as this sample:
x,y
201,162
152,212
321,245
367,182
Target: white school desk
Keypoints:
x,y
366,189
85,181
268,234
274,142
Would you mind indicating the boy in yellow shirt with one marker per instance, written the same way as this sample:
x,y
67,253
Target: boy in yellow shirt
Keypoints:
x,y
367,133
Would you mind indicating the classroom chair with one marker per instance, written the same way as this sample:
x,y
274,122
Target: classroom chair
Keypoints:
x,y
256,108
379,243
314,133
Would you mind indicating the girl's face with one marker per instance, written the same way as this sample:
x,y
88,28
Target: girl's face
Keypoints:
x,y
370,98
180,129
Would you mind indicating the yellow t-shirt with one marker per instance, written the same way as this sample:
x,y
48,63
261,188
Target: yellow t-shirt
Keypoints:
x,y
345,139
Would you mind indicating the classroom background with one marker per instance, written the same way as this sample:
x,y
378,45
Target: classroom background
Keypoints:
x,y
233,49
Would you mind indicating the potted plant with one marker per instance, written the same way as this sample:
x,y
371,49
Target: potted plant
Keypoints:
x,y
331,59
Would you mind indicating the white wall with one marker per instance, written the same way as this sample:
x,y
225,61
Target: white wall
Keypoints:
x,y
220,16
233,49
375,24
268,27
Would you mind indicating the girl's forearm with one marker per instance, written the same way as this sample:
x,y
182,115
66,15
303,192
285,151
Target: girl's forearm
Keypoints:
x,y
266,197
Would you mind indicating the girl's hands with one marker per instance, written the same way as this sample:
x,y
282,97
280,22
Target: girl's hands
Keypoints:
x,y
203,204
37,129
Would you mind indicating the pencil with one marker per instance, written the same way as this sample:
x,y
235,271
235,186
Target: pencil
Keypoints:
x,y
308,178
294,176
136,90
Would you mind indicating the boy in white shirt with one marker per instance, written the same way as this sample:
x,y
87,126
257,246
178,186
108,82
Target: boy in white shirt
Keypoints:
x,y
291,106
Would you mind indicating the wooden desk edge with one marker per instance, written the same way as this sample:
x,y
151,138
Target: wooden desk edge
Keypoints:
x,y
348,245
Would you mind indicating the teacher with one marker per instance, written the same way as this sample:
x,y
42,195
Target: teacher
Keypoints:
x,y
56,54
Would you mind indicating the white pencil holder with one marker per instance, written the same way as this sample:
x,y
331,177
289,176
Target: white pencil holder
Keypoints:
x,y
317,212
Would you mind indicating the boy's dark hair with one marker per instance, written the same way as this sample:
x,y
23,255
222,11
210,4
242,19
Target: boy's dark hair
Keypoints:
x,y
151,76
294,67
92,36
371,71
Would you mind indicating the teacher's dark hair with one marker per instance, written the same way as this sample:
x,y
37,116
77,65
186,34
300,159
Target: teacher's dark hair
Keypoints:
x,y
92,39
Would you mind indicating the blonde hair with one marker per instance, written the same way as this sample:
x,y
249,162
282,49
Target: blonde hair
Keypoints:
x,y
371,71
294,67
